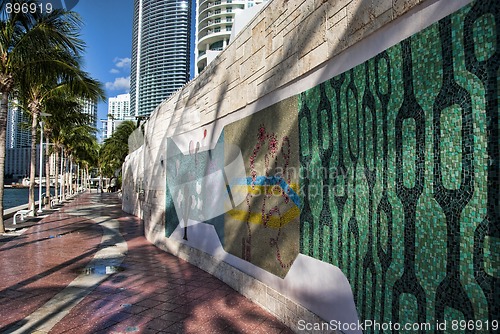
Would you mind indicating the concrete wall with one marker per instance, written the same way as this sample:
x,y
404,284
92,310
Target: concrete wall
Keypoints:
x,y
315,164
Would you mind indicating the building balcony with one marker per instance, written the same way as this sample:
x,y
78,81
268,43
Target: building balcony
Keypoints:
x,y
212,37
212,25
204,5
219,9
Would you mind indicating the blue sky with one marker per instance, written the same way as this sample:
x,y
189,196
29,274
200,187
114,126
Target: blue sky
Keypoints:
x,y
107,31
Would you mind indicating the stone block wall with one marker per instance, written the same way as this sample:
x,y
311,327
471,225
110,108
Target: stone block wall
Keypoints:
x,y
337,163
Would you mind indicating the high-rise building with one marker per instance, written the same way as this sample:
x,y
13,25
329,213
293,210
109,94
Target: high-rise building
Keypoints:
x,y
215,21
160,52
89,107
119,107
18,143
17,136
118,111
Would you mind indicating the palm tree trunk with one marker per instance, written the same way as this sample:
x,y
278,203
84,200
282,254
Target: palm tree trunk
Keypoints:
x,y
31,195
4,107
70,179
63,176
87,178
71,186
56,175
66,170
77,176
100,181
47,173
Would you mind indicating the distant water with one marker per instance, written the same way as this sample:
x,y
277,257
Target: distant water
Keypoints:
x,y
13,197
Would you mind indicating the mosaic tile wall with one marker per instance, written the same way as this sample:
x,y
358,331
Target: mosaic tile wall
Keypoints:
x,y
402,191
255,210
264,228
389,171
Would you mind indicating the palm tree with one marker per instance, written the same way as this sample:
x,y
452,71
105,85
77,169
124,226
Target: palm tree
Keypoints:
x,y
114,150
23,37
80,145
86,156
66,115
62,73
37,90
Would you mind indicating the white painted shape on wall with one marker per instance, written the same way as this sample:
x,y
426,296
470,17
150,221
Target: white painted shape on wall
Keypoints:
x,y
235,170
323,289
318,286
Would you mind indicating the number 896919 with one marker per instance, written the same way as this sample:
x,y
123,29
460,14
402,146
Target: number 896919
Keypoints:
x,y
25,8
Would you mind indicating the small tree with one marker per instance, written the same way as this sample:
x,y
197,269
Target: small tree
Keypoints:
x,y
114,150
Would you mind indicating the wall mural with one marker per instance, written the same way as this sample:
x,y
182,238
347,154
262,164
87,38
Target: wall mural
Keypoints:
x,y
403,160
264,229
246,187
397,162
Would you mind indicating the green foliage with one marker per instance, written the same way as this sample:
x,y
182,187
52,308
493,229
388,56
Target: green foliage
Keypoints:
x,y
40,66
114,150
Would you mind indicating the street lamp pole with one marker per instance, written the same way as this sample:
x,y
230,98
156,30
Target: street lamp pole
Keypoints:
x,y
41,164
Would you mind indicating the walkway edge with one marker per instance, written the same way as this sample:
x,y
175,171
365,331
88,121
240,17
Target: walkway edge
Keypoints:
x,y
48,315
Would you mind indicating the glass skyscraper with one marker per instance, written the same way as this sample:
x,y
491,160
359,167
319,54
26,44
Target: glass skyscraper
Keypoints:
x,y
214,25
160,52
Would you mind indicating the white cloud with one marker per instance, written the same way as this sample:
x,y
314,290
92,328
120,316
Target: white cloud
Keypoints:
x,y
121,83
122,62
121,65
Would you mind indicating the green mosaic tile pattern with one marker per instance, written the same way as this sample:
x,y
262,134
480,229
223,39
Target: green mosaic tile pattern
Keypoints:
x,y
402,157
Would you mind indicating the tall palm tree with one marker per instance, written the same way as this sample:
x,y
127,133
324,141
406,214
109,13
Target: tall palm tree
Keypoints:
x,y
22,38
114,150
66,78
66,116
86,156
61,74
79,145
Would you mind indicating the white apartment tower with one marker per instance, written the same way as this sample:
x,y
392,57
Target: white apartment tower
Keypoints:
x,y
118,111
89,107
215,20
17,137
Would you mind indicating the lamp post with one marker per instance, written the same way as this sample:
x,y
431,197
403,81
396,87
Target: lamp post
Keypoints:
x,y
41,163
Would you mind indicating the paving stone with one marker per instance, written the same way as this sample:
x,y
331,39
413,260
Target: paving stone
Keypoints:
x,y
156,293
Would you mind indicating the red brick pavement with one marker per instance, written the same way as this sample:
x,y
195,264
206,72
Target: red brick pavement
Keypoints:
x,y
156,293
44,260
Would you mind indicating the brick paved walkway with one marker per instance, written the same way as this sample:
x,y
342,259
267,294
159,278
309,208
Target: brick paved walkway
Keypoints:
x,y
44,289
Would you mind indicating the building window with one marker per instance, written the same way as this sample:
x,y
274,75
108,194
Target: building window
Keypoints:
x,y
217,11
217,29
229,28
229,9
217,46
217,20
229,19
